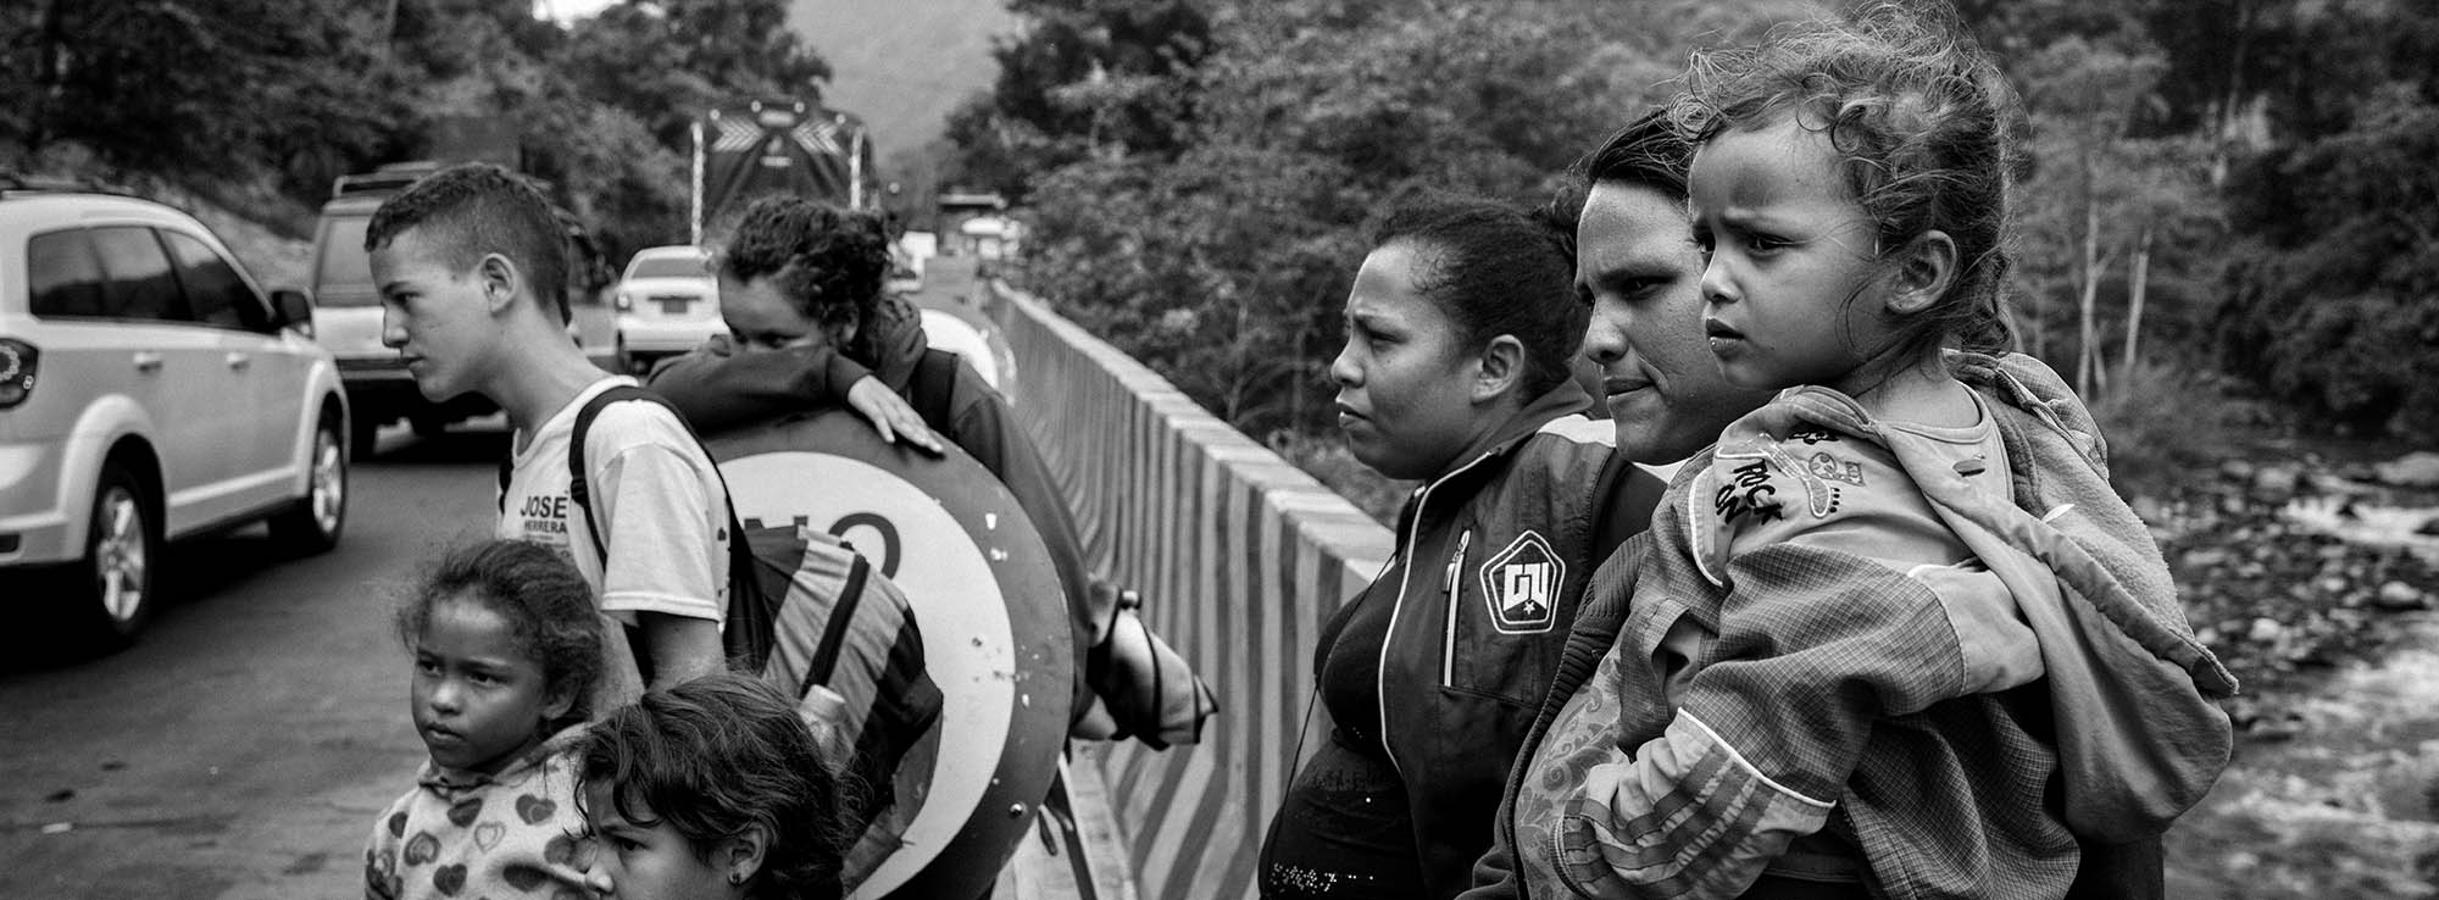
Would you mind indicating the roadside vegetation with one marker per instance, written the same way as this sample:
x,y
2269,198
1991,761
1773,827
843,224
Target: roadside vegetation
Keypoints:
x,y
2226,244
256,105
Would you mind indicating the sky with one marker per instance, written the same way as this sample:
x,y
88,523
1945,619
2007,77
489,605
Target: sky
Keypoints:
x,y
568,10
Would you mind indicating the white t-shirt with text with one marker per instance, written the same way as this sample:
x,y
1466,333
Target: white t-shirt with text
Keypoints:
x,y
659,500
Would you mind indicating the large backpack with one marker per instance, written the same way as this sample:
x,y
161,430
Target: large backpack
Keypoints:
x,y
1146,687
808,614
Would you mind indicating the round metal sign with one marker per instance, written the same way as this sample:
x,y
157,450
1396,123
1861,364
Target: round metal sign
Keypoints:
x,y
993,618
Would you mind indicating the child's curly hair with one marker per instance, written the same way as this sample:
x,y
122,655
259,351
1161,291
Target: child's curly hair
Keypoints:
x,y
829,263
717,756
1926,129
546,602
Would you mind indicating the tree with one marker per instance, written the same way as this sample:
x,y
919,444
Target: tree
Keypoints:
x,y
2334,300
1089,78
667,62
1218,247
188,87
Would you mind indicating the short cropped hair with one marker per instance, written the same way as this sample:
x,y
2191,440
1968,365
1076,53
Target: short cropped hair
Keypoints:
x,y
473,209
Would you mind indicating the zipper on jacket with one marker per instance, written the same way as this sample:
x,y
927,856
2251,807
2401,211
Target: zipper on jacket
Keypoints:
x,y
1414,536
1448,647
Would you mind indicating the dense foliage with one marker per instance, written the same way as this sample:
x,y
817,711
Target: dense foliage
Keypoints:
x,y
1199,190
281,96
2236,186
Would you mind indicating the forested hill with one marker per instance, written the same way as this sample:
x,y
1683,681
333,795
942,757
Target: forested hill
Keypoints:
x,y
903,66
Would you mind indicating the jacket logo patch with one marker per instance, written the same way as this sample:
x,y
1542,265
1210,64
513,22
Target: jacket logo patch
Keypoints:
x,y
1522,583
1826,466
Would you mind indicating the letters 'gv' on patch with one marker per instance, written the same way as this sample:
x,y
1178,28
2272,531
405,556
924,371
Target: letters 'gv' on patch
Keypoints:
x,y
1522,584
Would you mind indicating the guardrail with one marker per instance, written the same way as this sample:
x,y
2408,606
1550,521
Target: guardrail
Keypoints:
x,y
1239,557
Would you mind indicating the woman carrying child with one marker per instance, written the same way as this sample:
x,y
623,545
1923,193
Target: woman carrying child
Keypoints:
x,y
1896,636
506,648
712,790
1462,327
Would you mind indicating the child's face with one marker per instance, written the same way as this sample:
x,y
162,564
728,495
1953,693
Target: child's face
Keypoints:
x,y
439,319
647,863
1792,287
1404,396
479,700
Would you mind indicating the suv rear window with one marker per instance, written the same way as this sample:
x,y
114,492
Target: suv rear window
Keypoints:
x,y
140,286
669,267
218,296
344,263
65,280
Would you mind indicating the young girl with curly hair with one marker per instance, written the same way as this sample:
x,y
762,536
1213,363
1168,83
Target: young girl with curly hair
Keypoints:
x,y
506,647
713,790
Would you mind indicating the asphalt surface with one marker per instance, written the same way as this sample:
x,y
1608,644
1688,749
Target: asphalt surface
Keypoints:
x,y
242,747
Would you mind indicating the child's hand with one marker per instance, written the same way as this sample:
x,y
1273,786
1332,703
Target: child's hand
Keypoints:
x,y
890,415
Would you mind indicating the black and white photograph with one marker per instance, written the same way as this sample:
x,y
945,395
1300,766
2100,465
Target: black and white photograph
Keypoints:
x,y
1219,449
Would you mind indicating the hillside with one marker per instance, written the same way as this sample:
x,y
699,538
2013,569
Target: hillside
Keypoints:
x,y
903,66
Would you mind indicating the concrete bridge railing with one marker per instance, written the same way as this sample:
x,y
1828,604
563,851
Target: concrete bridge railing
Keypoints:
x,y
1239,557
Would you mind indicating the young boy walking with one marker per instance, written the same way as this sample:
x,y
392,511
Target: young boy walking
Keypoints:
x,y
470,263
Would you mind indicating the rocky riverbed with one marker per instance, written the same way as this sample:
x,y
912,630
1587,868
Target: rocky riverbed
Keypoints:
x,y
2318,584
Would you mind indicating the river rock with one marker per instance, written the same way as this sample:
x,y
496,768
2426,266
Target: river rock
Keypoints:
x,y
2417,469
2399,595
2265,630
2277,481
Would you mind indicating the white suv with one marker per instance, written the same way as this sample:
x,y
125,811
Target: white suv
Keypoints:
x,y
668,303
148,392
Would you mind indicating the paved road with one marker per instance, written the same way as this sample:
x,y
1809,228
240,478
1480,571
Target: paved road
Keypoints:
x,y
243,746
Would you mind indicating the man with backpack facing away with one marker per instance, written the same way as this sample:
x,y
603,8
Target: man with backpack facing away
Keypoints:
x,y
469,262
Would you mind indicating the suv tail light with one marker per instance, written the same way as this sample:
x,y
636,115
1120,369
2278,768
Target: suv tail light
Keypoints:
x,y
17,364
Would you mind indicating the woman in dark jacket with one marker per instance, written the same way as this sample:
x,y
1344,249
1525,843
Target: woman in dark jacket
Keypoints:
x,y
1461,330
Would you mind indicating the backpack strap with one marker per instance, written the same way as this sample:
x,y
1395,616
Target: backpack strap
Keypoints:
x,y
508,469
577,488
740,550
842,617
935,377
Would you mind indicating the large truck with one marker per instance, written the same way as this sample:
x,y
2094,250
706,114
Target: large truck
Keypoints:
x,y
786,146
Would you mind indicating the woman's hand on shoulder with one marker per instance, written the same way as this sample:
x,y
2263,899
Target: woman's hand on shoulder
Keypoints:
x,y
892,416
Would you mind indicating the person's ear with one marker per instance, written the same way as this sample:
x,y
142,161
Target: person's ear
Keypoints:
x,y
1501,368
844,333
1925,267
557,700
741,856
500,280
